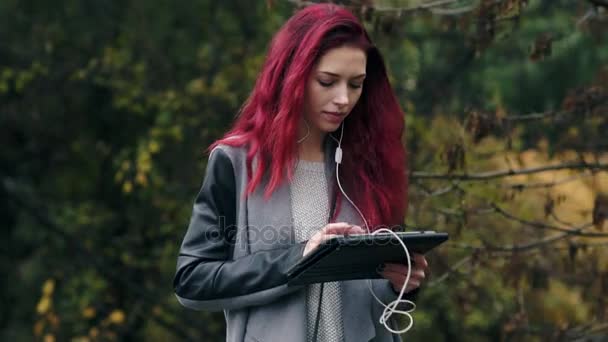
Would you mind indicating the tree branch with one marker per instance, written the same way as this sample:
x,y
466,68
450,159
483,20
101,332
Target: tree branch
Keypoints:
x,y
538,243
527,186
508,173
576,232
435,193
453,269
430,6
559,114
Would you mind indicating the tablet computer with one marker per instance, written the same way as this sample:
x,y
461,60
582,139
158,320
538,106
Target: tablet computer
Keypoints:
x,y
358,256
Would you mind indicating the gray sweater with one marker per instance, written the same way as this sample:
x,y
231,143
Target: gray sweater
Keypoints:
x,y
310,207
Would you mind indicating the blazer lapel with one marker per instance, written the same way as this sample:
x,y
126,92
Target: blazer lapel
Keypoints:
x,y
270,223
270,226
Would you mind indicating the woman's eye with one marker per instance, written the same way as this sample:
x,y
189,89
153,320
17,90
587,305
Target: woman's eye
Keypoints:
x,y
325,84
356,86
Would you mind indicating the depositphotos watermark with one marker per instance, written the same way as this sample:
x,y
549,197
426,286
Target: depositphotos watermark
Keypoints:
x,y
234,235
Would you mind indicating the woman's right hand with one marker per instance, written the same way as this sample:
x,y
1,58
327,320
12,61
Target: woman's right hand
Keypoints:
x,y
329,231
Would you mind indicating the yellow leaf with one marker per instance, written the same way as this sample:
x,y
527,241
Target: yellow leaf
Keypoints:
x,y
176,132
117,317
119,176
53,319
141,179
43,305
81,339
127,187
38,328
126,165
88,312
48,287
153,146
144,162
94,332
49,338
196,87
157,310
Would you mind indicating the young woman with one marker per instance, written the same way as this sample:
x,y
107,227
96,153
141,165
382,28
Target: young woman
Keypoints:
x,y
270,193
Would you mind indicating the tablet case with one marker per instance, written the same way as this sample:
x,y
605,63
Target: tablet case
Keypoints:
x,y
358,256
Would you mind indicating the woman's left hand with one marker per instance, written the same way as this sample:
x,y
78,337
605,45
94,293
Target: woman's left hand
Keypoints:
x,y
396,273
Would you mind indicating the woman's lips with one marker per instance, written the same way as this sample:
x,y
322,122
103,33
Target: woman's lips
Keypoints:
x,y
333,116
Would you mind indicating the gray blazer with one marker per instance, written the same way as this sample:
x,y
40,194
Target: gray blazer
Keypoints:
x,y
236,251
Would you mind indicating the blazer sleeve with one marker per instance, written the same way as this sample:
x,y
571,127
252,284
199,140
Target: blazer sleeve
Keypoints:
x,y
207,277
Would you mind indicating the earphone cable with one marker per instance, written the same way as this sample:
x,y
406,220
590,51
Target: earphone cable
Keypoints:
x,y
391,308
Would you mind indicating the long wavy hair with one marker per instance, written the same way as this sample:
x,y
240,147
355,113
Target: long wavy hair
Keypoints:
x,y
374,163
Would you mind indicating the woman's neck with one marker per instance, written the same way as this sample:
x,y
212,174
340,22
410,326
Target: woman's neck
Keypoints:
x,y
311,148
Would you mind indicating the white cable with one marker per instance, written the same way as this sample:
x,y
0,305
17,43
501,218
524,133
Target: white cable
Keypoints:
x,y
391,308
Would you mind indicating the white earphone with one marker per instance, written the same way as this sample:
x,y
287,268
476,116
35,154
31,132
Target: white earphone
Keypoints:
x,y
389,309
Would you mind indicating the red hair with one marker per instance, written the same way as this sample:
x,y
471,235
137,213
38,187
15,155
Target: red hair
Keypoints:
x,y
374,162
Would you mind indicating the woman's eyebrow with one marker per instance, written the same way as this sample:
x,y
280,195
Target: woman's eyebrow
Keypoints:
x,y
338,75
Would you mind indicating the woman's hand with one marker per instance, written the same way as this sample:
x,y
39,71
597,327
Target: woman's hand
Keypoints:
x,y
396,273
329,231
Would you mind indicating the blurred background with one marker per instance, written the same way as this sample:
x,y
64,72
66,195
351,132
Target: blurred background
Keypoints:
x,y
107,107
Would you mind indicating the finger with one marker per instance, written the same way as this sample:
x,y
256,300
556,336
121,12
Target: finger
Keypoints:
x,y
397,280
394,278
420,260
418,275
337,225
317,240
412,285
341,229
394,267
357,230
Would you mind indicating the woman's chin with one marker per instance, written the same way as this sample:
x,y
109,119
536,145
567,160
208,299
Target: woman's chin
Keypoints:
x,y
330,128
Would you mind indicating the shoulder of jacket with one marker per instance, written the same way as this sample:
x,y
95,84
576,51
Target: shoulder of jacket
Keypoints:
x,y
235,156
232,152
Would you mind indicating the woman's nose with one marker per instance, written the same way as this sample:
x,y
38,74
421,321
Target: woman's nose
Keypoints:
x,y
341,97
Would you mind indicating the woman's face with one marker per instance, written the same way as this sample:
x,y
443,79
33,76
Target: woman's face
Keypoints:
x,y
334,87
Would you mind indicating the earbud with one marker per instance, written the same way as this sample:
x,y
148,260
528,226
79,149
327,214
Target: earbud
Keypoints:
x,y
338,155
